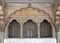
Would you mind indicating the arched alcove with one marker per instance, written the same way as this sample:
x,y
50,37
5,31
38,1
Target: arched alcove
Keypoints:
x,y
14,29
45,29
30,29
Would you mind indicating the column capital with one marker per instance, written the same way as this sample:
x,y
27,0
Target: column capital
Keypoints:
x,y
21,23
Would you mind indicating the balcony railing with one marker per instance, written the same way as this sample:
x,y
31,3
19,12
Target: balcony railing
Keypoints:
x,y
30,40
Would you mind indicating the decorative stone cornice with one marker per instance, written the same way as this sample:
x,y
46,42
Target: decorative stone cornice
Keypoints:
x,y
29,11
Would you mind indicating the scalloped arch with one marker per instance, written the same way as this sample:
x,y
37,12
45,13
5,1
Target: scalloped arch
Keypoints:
x,y
29,11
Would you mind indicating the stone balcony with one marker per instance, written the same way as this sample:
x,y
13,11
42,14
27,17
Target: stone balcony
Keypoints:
x,y
30,40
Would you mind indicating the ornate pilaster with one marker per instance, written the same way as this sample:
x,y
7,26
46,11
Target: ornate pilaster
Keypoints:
x,y
58,15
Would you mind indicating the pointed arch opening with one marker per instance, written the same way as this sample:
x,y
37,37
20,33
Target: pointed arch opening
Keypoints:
x,y
45,29
30,29
14,29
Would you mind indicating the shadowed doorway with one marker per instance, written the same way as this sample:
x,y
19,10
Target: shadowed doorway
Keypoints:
x,y
45,29
30,29
14,29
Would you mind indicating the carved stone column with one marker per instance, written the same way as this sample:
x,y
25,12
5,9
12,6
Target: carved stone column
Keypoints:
x,y
21,30
38,30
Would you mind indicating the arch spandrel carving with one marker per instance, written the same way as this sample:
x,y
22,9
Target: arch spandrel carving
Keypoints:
x,y
29,11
